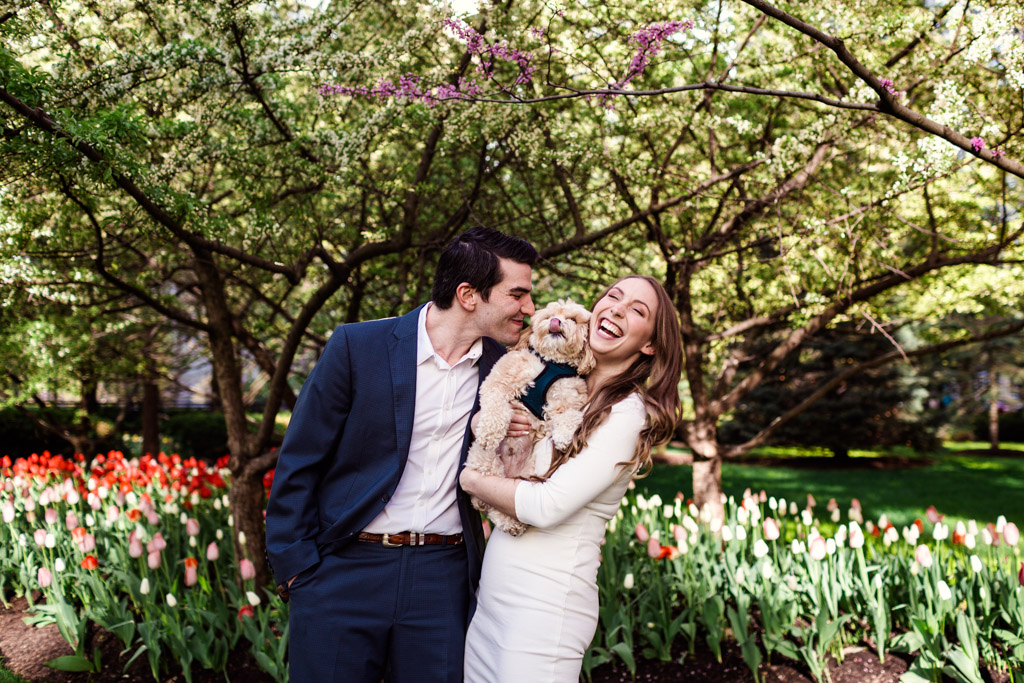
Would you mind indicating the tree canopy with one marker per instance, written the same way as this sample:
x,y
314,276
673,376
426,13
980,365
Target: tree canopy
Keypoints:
x,y
253,174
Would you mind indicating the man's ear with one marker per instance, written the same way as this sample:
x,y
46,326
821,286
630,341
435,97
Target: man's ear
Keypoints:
x,y
467,296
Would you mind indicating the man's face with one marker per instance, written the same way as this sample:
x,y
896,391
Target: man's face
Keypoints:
x,y
501,316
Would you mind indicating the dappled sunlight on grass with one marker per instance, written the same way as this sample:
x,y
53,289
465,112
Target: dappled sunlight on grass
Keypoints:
x,y
959,486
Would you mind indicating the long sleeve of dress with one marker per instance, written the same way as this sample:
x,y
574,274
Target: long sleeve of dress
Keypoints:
x,y
580,480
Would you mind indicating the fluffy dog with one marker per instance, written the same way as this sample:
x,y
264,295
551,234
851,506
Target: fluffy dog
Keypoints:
x,y
541,375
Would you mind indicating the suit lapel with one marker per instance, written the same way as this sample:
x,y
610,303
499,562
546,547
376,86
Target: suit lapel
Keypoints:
x,y
402,357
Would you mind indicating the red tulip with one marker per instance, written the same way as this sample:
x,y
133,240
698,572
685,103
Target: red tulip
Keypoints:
x,y
487,529
90,562
245,611
1020,574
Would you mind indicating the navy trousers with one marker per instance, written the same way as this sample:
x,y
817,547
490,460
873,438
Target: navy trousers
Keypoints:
x,y
368,613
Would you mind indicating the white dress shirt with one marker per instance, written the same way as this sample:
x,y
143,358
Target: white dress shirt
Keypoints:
x,y
424,501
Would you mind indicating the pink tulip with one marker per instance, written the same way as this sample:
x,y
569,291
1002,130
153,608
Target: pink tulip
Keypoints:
x,y
191,572
653,547
810,501
923,556
679,533
832,505
818,548
191,527
157,544
40,537
152,518
763,496
71,521
88,543
50,515
641,533
487,529
247,569
153,559
212,552
771,529
1011,534
135,548
932,514
8,512
44,577
855,505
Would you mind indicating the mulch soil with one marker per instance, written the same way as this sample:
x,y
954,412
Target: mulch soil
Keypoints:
x,y
858,666
25,649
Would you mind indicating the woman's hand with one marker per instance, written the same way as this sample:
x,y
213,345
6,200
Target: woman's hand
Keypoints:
x,y
520,423
468,479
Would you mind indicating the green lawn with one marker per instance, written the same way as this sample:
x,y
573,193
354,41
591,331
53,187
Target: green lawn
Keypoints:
x,y
960,486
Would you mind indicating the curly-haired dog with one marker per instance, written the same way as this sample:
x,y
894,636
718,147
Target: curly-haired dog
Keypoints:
x,y
542,374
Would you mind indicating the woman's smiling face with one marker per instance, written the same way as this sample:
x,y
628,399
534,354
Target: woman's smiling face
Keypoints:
x,y
623,321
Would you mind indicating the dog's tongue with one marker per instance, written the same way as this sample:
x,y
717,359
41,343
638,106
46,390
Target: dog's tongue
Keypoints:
x,y
555,326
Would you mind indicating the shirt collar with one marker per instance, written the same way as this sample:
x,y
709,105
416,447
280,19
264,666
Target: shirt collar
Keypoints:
x,y
425,349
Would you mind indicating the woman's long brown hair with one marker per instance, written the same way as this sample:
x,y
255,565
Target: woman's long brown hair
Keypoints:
x,y
654,378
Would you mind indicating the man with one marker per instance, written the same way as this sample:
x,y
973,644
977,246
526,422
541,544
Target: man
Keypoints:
x,y
376,547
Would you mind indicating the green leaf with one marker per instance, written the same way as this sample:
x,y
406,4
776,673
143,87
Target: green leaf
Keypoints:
x,y
72,663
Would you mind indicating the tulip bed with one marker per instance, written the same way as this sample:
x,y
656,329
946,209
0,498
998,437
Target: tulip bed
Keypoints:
x,y
143,548
784,581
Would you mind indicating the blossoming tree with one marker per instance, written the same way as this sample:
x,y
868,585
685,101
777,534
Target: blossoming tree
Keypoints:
x,y
259,172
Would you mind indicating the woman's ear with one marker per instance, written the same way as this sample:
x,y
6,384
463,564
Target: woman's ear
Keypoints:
x,y
647,349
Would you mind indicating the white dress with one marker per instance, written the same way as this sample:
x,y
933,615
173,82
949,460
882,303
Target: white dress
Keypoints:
x,y
537,605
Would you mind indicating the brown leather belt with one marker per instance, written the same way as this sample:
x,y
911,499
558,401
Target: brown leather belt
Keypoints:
x,y
410,538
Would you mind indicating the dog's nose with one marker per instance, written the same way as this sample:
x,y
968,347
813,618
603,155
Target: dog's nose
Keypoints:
x,y
555,326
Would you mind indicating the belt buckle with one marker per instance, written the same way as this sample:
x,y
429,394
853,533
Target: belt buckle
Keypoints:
x,y
386,542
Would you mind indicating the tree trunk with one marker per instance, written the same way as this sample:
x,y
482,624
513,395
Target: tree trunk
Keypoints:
x,y
150,417
246,495
707,485
993,411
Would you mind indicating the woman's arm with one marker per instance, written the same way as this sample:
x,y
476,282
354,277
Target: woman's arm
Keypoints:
x,y
498,492
582,479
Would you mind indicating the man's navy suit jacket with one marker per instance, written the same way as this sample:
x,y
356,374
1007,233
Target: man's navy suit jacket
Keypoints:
x,y
347,444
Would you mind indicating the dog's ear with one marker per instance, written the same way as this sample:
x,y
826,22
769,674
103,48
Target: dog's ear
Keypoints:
x,y
524,339
587,363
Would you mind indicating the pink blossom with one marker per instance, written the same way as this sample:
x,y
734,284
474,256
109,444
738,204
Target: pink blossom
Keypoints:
x,y
157,544
50,515
996,153
8,512
71,521
1011,534
134,545
44,577
212,552
88,543
40,537
817,548
153,559
191,571
932,514
679,533
771,529
191,527
810,501
641,533
923,556
653,548
648,41
977,144
247,569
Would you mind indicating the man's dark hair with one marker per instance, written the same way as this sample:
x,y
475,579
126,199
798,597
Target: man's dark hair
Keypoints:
x,y
473,257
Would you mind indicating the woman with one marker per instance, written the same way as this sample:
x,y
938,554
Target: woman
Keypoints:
x,y
538,602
